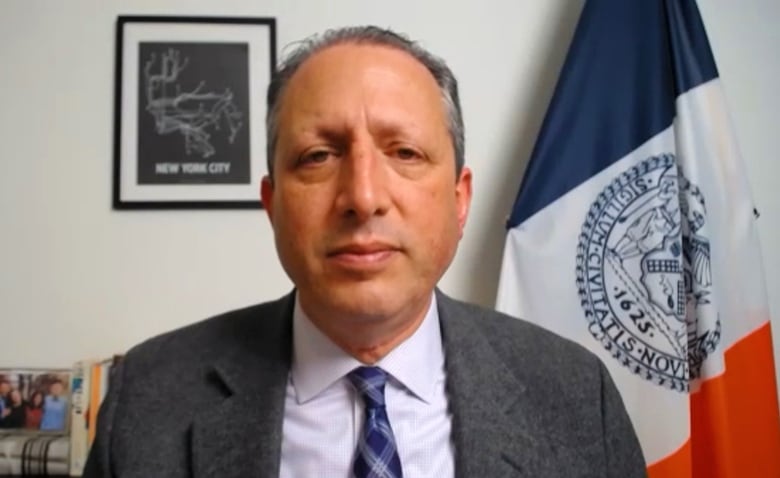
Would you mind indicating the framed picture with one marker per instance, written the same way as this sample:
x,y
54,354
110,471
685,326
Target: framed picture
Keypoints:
x,y
189,111
34,400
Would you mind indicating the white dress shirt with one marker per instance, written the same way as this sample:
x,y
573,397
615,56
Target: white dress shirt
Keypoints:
x,y
324,415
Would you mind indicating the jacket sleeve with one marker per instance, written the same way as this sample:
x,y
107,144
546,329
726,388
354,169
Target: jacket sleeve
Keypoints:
x,y
99,464
624,456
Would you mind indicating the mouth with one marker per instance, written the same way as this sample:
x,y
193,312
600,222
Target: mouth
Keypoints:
x,y
367,255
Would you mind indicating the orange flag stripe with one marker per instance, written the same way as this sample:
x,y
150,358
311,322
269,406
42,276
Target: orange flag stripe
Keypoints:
x,y
735,426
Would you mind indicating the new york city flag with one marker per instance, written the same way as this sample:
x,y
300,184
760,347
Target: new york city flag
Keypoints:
x,y
633,234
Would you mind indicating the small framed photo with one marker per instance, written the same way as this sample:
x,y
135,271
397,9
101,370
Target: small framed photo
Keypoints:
x,y
189,112
35,400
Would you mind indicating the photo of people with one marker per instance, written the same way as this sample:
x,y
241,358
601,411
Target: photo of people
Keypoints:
x,y
34,400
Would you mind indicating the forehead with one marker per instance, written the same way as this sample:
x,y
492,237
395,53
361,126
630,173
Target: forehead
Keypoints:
x,y
342,74
357,56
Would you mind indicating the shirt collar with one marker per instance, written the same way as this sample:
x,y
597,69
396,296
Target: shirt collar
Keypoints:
x,y
417,363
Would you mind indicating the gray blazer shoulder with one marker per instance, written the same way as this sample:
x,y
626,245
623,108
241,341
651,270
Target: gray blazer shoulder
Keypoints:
x,y
203,400
531,403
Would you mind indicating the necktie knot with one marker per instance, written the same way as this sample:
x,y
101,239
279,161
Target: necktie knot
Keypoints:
x,y
370,383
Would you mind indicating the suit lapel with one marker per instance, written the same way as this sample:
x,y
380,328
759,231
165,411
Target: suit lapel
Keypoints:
x,y
493,432
241,435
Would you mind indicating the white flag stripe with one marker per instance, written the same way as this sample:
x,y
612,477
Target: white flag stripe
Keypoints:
x,y
549,299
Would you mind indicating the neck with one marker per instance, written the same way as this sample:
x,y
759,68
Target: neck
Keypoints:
x,y
372,352
370,338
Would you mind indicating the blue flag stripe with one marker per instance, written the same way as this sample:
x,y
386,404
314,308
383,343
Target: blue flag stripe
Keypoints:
x,y
693,60
640,75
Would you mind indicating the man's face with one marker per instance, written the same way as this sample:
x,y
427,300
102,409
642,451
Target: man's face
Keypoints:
x,y
16,397
55,389
366,208
4,389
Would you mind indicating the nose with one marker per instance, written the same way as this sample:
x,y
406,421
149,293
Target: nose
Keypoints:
x,y
363,182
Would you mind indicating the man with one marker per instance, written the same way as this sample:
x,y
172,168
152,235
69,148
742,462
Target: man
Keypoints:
x,y
5,390
55,408
365,369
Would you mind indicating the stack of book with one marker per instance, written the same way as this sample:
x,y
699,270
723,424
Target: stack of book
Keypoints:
x,y
33,454
48,418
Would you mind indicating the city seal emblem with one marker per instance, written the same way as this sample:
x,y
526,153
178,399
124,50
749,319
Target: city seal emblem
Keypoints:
x,y
643,273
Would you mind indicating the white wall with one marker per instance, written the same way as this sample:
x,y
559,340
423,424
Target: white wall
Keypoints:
x,y
78,279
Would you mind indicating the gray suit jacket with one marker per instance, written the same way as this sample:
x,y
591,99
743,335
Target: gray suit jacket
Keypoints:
x,y
208,401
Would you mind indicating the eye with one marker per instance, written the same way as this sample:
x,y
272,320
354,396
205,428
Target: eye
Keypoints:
x,y
406,153
316,156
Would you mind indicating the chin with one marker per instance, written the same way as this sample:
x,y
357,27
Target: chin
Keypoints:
x,y
366,303
363,300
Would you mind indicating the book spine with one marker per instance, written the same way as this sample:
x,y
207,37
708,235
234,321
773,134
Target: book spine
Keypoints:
x,y
105,372
94,401
79,431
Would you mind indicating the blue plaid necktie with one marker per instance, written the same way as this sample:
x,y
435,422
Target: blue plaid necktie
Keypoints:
x,y
376,455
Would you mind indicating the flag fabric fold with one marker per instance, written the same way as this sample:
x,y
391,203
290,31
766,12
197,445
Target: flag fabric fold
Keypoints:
x,y
633,233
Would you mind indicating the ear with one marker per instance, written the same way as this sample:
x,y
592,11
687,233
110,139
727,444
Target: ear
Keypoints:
x,y
267,196
463,197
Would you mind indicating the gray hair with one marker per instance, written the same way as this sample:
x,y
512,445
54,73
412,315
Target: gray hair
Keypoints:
x,y
369,35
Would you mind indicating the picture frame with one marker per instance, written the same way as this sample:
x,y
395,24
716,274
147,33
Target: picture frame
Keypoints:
x,y
35,400
189,111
